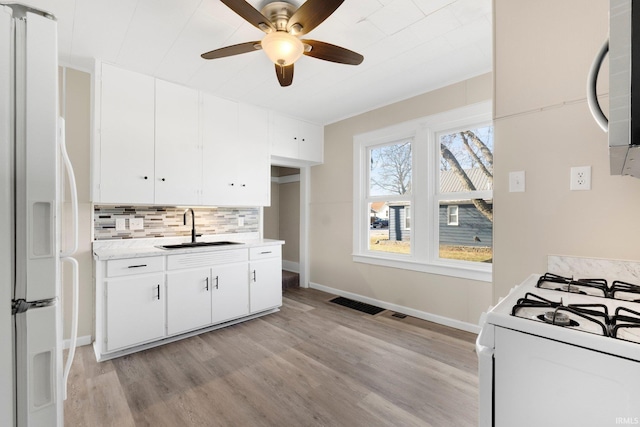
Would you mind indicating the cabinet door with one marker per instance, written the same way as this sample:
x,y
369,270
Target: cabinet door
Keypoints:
x,y
188,300
265,280
283,134
126,137
178,157
254,165
135,310
219,150
229,292
311,142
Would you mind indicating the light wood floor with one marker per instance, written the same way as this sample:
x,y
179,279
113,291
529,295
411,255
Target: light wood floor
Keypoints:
x,y
314,363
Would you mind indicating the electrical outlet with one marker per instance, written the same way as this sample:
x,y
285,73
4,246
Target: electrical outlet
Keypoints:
x,y
580,178
136,224
121,224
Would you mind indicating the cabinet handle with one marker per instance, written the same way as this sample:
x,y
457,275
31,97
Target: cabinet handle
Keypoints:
x,y
231,184
162,179
158,289
207,280
137,266
254,276
244,185
217,281
146,177
265,252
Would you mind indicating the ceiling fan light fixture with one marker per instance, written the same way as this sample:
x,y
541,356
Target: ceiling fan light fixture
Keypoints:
x,y
282,48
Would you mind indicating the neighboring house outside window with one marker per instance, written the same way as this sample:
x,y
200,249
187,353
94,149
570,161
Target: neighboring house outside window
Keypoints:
x,y
435,176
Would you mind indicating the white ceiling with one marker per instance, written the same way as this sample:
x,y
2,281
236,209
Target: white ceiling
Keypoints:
x,y
409,47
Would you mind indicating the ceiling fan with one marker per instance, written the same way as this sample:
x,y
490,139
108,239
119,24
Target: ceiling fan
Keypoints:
x,y
284,23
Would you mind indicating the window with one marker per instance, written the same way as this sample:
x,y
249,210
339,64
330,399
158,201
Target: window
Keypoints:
x,y
466,181
434,176
452,215
389,184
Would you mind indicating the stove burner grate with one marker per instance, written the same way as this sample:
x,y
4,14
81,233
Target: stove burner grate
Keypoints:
x,y
625,291
594,287
626,325
594,314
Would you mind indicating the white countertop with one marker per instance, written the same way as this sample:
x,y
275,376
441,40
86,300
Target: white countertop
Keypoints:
x,y
134,248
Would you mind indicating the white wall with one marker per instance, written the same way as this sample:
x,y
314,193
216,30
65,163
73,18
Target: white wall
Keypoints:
x,y
331,227
75,100
543,51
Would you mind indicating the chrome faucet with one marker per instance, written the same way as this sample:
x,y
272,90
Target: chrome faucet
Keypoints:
x,y
193,223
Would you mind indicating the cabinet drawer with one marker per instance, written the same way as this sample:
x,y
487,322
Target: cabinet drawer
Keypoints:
x,y
205,259
125,267
264,252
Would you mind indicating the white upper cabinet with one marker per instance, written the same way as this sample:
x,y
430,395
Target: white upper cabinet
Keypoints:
x,y
236,168
125,170
162,143
311,143
219,150
291,138
254,162
178,157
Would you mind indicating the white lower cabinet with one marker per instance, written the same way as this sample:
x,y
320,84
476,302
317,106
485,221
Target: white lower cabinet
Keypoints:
x,y
265,278
143,302
229,292
188,300
134,310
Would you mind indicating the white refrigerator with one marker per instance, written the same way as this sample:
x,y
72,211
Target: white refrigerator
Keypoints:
x,y
32,382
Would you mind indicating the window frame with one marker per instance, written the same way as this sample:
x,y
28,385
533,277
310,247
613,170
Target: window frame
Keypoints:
x,y
424,197
457,221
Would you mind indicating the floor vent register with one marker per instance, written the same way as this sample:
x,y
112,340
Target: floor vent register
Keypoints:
x,y
357,305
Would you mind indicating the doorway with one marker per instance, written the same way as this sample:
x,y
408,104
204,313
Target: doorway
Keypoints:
x,y
282,220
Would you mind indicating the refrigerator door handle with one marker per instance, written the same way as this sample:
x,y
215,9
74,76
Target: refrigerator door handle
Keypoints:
x,y
65,256
72,186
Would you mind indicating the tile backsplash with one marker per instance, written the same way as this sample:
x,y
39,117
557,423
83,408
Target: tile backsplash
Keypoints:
x,y
165,221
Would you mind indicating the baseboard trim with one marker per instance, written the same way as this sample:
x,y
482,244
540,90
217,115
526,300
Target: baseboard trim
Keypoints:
x,y
291,266
84,340
446,321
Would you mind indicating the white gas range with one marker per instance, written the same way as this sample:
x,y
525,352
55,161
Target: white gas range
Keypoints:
x,y
561,352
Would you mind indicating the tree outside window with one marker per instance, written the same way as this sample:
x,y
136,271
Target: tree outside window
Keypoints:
x,y
428,174
466,174
390,182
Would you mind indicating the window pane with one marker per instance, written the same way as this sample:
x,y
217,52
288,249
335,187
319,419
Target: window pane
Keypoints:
x,y
452,215
472,238
390,172
387,231
466,160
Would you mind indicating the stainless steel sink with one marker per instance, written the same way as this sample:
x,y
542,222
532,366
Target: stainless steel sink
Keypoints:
x,y
199,244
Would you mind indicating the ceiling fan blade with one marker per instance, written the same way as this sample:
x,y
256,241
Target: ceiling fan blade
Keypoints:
x,y
333,53
311,14
285,74
250,14
235,49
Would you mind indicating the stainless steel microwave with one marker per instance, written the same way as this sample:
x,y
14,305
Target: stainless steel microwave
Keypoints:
x,y
623,124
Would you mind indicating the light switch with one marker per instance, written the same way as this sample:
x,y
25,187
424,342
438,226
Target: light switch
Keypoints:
x,y
136,224
516,182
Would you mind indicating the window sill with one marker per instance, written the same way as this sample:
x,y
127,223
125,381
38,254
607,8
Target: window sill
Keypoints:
x,y
482,273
